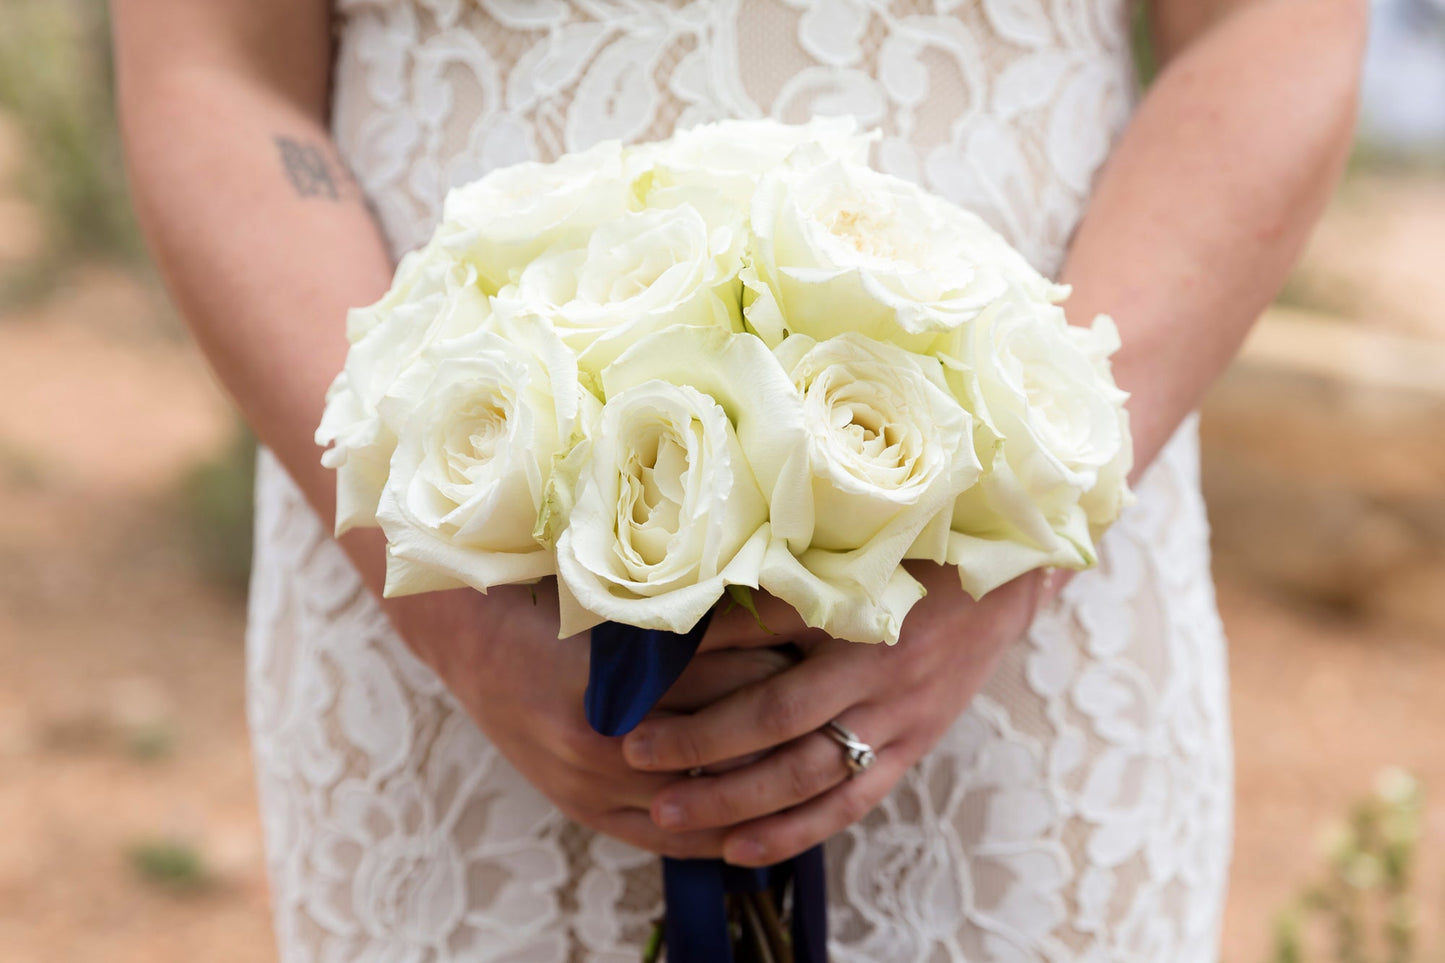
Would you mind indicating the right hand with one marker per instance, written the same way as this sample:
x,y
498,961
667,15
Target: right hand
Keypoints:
x,y
499,655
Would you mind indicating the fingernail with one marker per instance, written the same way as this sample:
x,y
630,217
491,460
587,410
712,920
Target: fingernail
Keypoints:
x,y
669,815
639,750
745,852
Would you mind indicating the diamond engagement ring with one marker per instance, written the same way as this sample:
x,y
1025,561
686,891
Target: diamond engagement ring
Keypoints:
x,y
858,754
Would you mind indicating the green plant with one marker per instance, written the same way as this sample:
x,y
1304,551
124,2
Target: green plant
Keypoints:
x,y
1364,906
56,83
1141,40
150,742
169,863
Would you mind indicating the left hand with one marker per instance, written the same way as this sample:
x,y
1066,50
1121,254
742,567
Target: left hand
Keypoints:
x,y
900,699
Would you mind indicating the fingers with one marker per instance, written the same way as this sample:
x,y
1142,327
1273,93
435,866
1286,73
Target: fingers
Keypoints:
x,y
712,676
789,776
635,827
759,717
784,835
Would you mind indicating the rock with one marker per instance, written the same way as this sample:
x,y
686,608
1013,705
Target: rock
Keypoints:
x,y
1376,254
1413,594
1324,464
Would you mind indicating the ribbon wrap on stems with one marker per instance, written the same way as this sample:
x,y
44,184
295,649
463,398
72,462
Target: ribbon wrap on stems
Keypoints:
x,y
630,670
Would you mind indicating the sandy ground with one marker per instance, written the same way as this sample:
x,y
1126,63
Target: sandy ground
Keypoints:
x,y
121,703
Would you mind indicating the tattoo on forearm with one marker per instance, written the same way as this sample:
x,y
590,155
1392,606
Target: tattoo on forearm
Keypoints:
x,y
312,171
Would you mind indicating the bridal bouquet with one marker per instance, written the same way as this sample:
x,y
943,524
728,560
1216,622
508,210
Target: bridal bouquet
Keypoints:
x,y
737,359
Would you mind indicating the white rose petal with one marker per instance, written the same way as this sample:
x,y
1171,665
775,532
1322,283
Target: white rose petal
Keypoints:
x,y
667,514
636,275
668,509
888,450
822,588
839,247
433,298
502,222
486,416
1053,434
728,157
740,374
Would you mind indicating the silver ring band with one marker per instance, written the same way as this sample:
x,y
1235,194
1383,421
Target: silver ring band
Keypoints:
x,y
856,753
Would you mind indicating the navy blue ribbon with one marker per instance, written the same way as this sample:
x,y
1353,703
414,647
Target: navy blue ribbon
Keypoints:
x,y
630,670
695,929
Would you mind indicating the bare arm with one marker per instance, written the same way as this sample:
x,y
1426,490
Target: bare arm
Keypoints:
x,y
1196,219
262,237
1213,189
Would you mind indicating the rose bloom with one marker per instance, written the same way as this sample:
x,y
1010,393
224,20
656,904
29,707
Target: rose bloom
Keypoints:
x,y
502,222
636,274
1054,438
433,298
727,158
888,449
484,416
839,247
665,501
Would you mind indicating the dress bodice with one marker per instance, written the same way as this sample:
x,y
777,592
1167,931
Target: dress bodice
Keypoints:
x,y
1007,107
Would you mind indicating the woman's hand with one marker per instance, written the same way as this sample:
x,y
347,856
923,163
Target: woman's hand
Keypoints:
x,y
499,656
900,699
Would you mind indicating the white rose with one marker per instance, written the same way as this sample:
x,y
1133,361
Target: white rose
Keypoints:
x,y
728,157
839,247
432,298
889,449
1054,438
669,507
485,416
502,222
637,274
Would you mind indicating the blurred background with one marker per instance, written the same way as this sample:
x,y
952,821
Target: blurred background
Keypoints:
x,y
128,828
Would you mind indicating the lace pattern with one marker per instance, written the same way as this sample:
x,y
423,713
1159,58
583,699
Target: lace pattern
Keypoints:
x,y
1078,811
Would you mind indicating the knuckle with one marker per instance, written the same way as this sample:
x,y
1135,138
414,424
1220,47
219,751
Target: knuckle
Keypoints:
x,y
574,742
680,748
782,713
915,674
720,809
805,778
763,664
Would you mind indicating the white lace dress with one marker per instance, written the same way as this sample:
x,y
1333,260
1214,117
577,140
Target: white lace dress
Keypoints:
x,y
1079,810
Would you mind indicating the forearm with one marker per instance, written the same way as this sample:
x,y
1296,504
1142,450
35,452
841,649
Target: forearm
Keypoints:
x,y
263,240
1210,194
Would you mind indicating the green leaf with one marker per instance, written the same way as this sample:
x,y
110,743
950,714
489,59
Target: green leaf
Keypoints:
x,y
653,949
742,596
